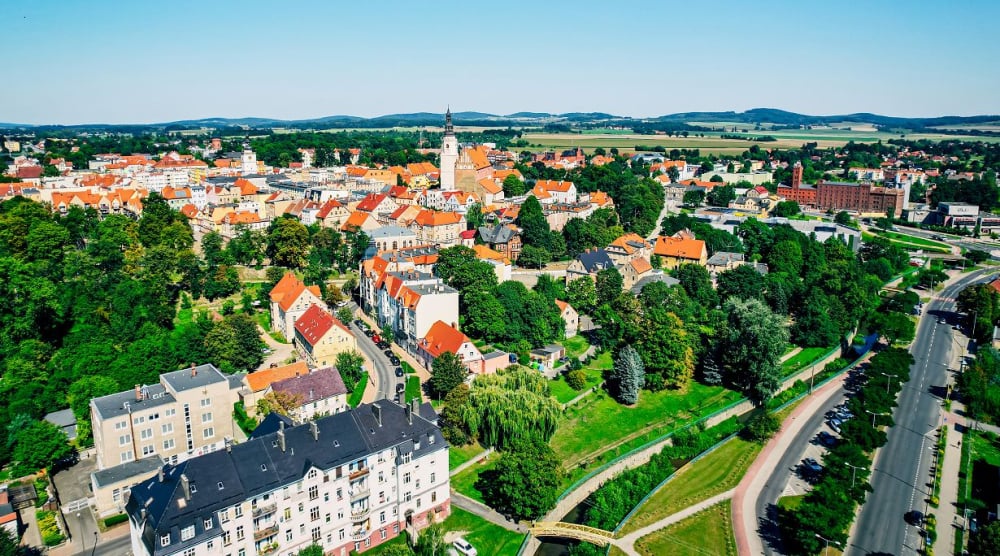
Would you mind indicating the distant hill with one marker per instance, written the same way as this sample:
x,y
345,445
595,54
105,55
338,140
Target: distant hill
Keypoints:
x,y
528,119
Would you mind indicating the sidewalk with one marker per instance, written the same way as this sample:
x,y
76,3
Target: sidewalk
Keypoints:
x,y
948,514
485,512
745,518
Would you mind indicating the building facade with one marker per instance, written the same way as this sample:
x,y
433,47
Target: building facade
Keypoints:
x,y
348,482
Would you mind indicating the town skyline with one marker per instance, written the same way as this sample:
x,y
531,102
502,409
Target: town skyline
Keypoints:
x,y
136,64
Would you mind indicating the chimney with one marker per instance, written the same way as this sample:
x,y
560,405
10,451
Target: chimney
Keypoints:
x,y
186,486
378,413
138,392
409,414
415,406
281,435
314,429
194,370
159,475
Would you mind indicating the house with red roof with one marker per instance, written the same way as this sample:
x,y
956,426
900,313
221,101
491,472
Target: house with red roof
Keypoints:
x,y
443,337
8,516
438,227
290,298
257,384
570,317
320,338
376,203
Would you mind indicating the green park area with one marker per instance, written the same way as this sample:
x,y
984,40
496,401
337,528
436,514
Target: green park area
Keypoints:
x,y
709,531
485,536
803,359
908,242
457,455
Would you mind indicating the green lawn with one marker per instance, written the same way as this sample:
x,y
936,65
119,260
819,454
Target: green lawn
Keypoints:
x,y
715,473
986,447
562,391
486,537
790,502
923,242
802,359
412,388
598,423
407,368
359,390
707,532
464,481
457,455
575,346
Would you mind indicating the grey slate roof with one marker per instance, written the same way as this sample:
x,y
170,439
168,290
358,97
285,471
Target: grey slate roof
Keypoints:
x,y
499,233
65,420
126,471
636,288
725,257
198,377
595,260
390,231
116,405
259,465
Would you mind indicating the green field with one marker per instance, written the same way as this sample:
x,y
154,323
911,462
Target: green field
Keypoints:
x,y
717,472
359,390
866,236
413,388
914,240
803,359
457,455
575,346
464,482
709,531
562,391
486,537
790,502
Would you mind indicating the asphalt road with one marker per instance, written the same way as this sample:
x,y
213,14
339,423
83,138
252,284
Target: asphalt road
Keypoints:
x,y
902,470
805,440
119,546
384,378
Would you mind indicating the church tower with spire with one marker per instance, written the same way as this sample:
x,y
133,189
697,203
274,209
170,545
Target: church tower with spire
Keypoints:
x,y
449,154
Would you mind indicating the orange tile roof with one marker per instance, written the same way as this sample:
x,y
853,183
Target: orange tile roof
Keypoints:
x,y
502,174
314,324
679,247
260,380
490,186
562,305
357,219
288,290
371,202
437,218
357,171
478,156
421,168
995,285
189,210
442,337
485,253
246,188
600,198
241,217
625,242
553,185
641,266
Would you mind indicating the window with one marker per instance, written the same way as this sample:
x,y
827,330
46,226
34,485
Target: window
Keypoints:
x,y
434,496
381,516
224,516
314,514
206,402
194,488
312,473
189,551
167,428
209,432
124,439
315,534
340,494
121,425
138,420
327,518
168,444
208,523
418,502
384,534
210,545
116,495
288,513
395,527
407,456
146,434
288,534
164,540
432,478
406,478
226,539
187,533
147,450
341,534
238,511
406,497
239,532
313,492
127,456
170,412
326,496
206,417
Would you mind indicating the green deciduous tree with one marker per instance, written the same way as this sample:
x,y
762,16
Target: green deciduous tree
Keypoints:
x,y
786,209
38,445
350,365
582,295
751,348
525,481
986,540
447,372
513,187
288,243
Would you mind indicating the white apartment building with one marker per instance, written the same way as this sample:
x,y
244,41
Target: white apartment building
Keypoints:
x,y
348,482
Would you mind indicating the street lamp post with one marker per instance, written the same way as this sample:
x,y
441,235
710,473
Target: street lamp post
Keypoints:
x,y
827,541
93,550
888,378
854,469
873,414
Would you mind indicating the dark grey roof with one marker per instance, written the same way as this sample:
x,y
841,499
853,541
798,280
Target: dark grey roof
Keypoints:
x,y
236,380
500,233
125,471
725,257
595,260
260,465
548,350
122,403
494,355
196,377
390,231
636,288
271,424
65,420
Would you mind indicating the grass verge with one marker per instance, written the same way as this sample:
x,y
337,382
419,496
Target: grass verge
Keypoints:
x,y
717,472
575,346
706,532
412,388
457,455
486,537
465,481
803,359
359,390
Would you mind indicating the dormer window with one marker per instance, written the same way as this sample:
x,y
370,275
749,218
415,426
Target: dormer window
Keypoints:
x,y
194,488
263,467
164,540
208,523
187,533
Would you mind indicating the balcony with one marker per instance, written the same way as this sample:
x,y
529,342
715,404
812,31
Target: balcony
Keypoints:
x,y
264,510
358,492
268,549
354,475
266,532
360,534
358,514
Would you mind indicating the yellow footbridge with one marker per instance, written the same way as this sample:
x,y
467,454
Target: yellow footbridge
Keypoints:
x,y
593,535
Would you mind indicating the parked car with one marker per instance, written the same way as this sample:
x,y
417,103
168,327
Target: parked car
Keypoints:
x,y
827,439
340,303
399,371
400,387
809,465
463,547
914,517
376,338
394,360
835,424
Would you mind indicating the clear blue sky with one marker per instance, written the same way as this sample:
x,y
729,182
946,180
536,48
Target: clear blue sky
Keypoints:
x,y
80,61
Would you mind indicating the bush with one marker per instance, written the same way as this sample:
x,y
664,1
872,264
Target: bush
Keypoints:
x,y
576,379
49,528
115,520
761,427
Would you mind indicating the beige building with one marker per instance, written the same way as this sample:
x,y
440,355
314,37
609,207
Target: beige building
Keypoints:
x,y
438,228
320,338
290,298
569,316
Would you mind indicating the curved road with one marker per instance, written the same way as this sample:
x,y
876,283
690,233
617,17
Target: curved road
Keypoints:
x,y
383,376
902,470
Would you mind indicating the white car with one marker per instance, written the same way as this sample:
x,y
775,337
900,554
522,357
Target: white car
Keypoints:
x,y
463,547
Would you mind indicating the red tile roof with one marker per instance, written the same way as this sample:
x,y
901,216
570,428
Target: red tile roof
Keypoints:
x,y
443,337
260,380
314,324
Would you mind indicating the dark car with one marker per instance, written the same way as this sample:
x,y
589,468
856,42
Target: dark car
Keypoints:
x,y
394,360
383,345
400,387
810,465
914,518
827,439
399,371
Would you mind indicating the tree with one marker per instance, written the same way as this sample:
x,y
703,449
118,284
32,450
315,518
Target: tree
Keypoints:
x,y
751,347
288,242
431,541
986,540
484,317
278,402
513,187
694,197
697,283
525,481
350,365
743,282
234,344
786,209
459,267
452,426
534,257
627,376
311,550
534,227
721,196
344,315
843,218
609,285
582,295
447,372
8,543
895,326
38,445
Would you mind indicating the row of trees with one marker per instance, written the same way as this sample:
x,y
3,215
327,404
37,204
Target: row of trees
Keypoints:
x,y
829,508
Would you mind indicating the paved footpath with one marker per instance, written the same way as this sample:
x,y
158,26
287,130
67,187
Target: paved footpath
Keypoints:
x,y
482,510
745,518
949,517
627,542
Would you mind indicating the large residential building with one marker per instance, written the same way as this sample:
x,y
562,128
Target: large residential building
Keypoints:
x,y
290,298
320,338
348,482
187,414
